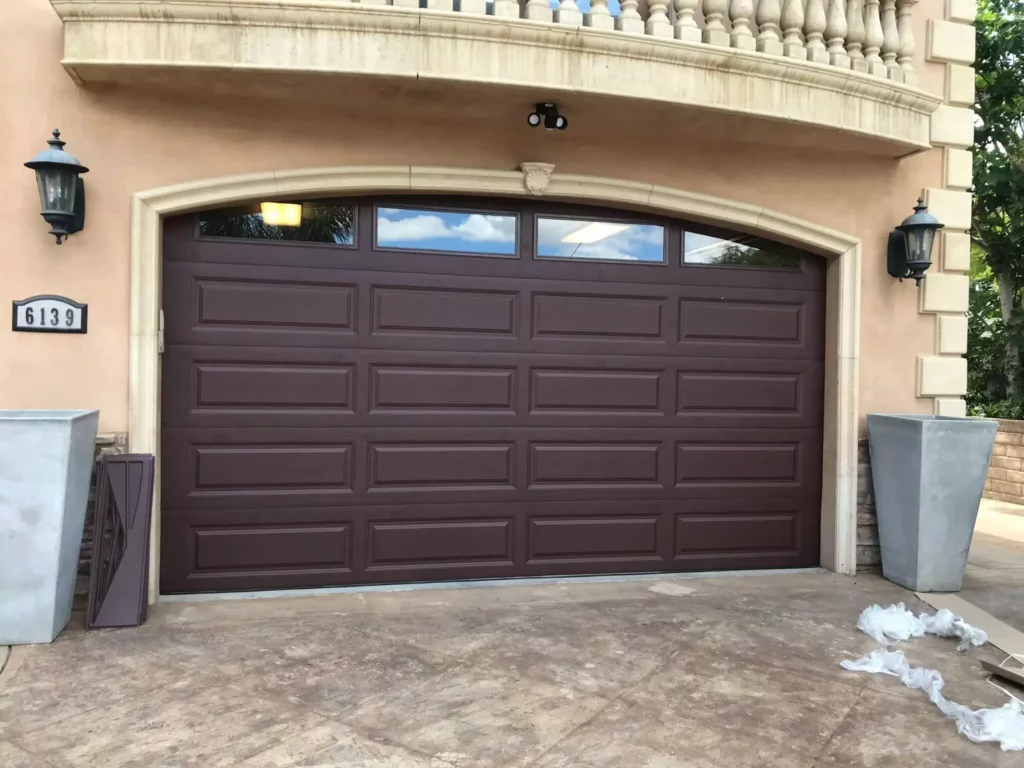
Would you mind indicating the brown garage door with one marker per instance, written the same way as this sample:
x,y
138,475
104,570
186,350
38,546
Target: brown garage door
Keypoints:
x,y
400,390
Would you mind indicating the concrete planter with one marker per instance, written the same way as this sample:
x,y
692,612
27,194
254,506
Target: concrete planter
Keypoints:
x,y
46,461
928,473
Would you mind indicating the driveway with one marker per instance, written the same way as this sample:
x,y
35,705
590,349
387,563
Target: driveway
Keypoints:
x,y
720,672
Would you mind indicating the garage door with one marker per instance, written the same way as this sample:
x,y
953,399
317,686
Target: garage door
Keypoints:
x,y
387,390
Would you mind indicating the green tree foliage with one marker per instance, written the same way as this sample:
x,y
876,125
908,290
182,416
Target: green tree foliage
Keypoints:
x,y
996,323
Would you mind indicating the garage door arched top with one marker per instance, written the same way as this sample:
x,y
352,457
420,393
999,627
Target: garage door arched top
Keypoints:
x,y
840,424
388,389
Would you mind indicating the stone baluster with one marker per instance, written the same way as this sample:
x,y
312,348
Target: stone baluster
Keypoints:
x,y
740,12
629,18
657,19
855,35
890,40
538,10
440,5
568,13
599,17
792,29
835,32
814,28
508,9
873,39
686,26
714,29
905,31
769,12
473,6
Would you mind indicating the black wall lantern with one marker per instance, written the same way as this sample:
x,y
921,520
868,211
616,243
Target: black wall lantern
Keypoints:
x,y
910,244
61,190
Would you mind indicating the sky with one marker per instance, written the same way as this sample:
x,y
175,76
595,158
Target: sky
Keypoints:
x,y
495,234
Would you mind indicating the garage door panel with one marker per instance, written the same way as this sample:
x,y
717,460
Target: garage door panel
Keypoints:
x,y
258,305
285,467
416,542
282,386
442,311
604,316
441,466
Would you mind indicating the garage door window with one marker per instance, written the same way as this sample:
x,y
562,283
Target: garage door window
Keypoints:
x,y
310,221
462,232
597,240
738,251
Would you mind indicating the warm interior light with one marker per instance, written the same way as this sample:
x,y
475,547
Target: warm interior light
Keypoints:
x,y
282,214
594,232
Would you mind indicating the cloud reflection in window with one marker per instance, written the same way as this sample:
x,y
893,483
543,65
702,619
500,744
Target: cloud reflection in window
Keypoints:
x,y
426,230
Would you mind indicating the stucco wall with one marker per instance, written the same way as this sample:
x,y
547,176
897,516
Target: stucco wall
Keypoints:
x,y
135,139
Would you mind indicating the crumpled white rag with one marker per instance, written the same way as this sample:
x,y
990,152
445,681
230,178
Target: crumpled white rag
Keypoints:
x,y
896,623
1004,725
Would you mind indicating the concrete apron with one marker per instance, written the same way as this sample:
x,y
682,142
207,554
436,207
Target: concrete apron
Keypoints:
x,y
206,597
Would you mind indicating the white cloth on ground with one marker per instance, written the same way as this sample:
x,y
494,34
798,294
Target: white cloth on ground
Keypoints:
x,y
896,623
1004,725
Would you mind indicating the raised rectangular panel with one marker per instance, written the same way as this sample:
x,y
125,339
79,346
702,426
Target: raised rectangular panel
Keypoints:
x,y
957,168
256,386
941,376
278,304
717,463
597,317
945,292
956,251
426,466
428,388
594,390
960,85
604,464
952,127
707,319
949,41
964,11
591,538
738,391
438,542
291,468
727,533
951,207
274,547
952,333
950,406
442,311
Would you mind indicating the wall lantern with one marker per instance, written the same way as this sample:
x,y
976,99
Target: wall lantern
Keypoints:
x,y
61,191
910,244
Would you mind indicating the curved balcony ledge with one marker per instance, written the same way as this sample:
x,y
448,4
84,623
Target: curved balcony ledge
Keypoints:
x,y
121,39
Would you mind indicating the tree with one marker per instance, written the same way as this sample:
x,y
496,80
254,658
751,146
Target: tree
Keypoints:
x,y
998,226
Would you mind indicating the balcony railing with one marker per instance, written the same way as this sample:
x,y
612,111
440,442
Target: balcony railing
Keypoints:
x,y
872,36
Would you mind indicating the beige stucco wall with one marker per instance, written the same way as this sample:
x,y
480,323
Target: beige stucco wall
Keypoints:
x,y
139,138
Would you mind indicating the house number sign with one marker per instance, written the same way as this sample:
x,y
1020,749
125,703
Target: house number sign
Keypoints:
x,y
50,314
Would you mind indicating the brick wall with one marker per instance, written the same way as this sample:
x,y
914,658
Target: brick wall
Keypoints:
x,y
1005,480
869,555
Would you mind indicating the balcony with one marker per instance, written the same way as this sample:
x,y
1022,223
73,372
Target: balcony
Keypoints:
x,y
824,68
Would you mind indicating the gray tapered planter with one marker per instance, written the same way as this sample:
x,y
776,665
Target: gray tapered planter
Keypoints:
x,y
928,473
46,460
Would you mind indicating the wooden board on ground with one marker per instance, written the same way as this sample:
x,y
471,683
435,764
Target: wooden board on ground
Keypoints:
x,y
1000,634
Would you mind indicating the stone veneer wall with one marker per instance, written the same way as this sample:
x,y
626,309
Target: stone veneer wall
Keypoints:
x,y
869,556
106,445
1005,481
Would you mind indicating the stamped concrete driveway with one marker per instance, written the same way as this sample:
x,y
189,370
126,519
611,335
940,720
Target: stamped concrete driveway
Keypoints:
x,y
731,671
